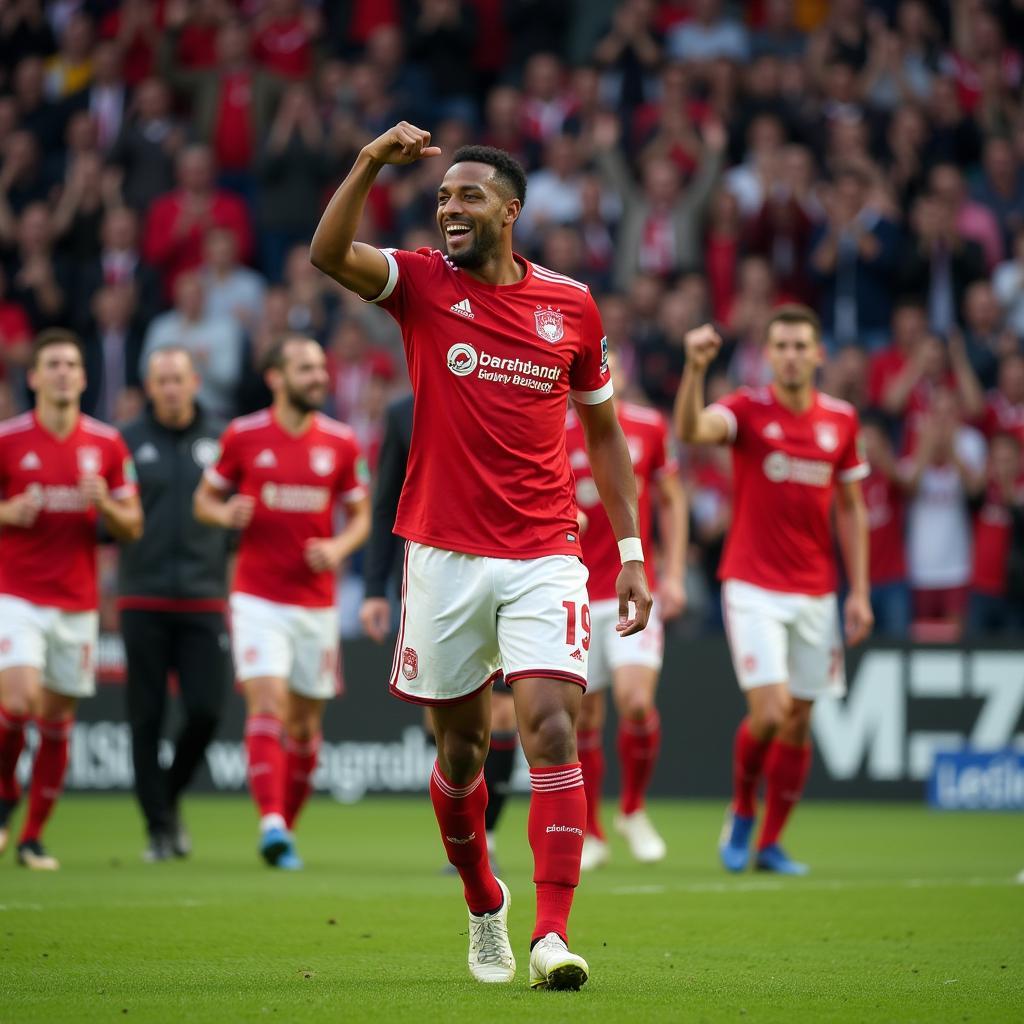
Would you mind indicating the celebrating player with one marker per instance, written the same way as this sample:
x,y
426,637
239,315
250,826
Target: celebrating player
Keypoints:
x,y
629,666
60,472
493,578
791,445
287,466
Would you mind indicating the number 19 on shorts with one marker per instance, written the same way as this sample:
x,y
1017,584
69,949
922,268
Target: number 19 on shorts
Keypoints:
x,y
570,624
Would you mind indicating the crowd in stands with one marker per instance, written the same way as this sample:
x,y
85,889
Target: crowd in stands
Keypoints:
x,y
163,164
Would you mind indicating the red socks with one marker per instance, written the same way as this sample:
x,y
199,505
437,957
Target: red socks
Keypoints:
x,y
266,763
47,774
638,751
460,816
300,759
12,742
558,816
591,754
748,758
785,772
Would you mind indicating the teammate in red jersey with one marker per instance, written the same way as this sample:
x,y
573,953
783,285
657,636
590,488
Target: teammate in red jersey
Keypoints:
x,y
794,451
493,578
61,472
287,466
630,666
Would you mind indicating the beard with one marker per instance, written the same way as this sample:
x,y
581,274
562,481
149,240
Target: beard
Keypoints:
x,y
485,246
306,401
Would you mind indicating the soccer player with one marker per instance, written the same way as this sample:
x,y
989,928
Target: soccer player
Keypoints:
x,y
287,465
61,473
794,451
493,578
629,666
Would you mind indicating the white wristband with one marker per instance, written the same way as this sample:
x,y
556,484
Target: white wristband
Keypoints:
x,y
631,550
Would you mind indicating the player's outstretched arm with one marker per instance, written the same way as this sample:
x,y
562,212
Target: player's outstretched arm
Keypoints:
x,y
673,529
212,506
612,469
852,523
359,267
693,423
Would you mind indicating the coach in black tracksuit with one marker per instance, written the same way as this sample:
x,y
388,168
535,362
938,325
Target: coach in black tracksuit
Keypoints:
x,y
173,590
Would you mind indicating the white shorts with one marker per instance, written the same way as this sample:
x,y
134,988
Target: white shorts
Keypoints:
x,y
467,617
610,651
61,644
777,637
286,641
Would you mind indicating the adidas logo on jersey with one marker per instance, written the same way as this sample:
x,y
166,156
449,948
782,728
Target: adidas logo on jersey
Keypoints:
x,y
147,453
576,654
463,309
773,431
30,461
265,458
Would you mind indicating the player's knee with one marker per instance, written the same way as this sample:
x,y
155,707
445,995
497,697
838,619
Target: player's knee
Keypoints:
x,y
768,719
18,704
552,738
636,707
462,754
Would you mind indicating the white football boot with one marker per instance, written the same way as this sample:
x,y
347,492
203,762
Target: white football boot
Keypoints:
x,y
553,966
595,853
490,956
644,842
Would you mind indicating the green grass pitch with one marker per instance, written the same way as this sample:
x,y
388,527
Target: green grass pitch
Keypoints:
x,y
909,916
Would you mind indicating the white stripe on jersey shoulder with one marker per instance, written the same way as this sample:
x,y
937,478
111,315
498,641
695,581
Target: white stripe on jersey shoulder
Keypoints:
x,y
552,277
835,404
99,428
253,421
333,426
644,413
17,424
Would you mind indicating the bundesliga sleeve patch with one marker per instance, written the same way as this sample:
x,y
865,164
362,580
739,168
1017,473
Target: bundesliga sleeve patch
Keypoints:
x,y
128,469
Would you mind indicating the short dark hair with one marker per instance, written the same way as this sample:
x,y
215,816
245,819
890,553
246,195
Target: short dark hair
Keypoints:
x,y
794,313
274,357
54,336
507,170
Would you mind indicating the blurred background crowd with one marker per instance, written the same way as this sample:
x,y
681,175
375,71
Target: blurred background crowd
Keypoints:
x,y
163,164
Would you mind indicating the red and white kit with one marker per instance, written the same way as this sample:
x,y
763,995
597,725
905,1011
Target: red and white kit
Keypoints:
x,y
48,591
283,618
647,438
488,491
779,567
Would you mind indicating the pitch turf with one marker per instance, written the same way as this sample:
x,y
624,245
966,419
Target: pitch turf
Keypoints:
x,y
909,916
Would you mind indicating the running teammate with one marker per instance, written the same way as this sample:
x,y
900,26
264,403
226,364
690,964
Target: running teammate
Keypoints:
x,y
287,465
493,577
794,451
61,473
629,666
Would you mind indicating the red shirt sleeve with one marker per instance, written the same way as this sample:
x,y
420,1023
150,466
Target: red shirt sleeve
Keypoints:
x,y
226,475
590,381
852,465
405,269
354,479
120,470
732,408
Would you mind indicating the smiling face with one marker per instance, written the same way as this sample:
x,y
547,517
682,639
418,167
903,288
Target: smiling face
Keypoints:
x,y
473,213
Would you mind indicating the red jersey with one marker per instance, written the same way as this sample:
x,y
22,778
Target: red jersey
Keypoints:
x,y
492,368
647,438
1001,416
993,536
284,47
886,514
785,466
53,562
295,481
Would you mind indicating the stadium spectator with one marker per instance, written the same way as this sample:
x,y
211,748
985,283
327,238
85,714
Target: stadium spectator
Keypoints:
x,y
15,336
990,612
547,103
24,32
710,34
885,497
283,38
944,472
37,113
985,333
353,363
105,98
1004,404
971,219
89,192
554,189
1001,188
441,29
134,30
214,342
112,343
118,261
22,180
1008,284
661,221
777,35
69,70
631,51
751,181
40,280
231,290
177,222
148,144
853,255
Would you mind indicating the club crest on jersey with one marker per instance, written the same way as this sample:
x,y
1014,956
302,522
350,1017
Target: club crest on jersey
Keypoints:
x,y
89,459
321,460
462,359
550,325
827,436
410,663
205,452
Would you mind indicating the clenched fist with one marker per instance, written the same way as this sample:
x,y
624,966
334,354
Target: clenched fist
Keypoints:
x,y
403,144
238,510
702,345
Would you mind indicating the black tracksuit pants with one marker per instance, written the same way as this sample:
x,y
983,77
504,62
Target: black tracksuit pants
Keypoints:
x,y
195,645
